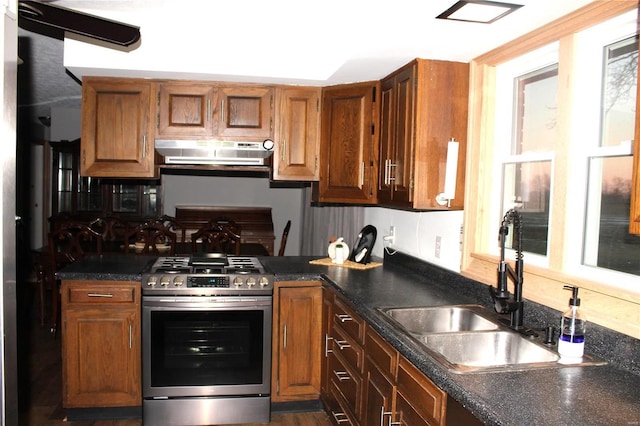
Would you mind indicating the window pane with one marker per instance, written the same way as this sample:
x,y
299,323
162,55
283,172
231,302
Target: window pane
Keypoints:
x,y
89,194
536,111
608,243
125,198
526,186
619,92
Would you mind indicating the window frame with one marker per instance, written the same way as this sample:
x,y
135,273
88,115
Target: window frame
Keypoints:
x,y
606,303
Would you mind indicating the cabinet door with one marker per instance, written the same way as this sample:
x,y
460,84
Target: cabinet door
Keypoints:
x,y
101,358
397,138
117,131
379,392
348,151
418,397
298,139
299,346
185,110
246,112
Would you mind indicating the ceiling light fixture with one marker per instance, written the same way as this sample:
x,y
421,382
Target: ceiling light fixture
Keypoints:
x,y
480,11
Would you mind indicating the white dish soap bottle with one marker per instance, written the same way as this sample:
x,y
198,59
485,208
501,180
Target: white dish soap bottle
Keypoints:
x,y
572,331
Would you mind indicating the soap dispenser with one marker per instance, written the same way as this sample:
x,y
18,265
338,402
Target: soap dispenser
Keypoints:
x,y
572,330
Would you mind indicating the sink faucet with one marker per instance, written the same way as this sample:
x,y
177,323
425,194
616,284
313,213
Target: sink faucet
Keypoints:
x,y
505,302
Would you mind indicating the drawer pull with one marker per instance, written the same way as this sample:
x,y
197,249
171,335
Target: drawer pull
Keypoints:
x,y
327,351
107,295
344,317
340,417
342,344
383,414
341,375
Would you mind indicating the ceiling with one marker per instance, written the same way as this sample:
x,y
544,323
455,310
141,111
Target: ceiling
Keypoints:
x,y
276,41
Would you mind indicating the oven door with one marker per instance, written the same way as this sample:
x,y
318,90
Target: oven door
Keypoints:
x,y
206,346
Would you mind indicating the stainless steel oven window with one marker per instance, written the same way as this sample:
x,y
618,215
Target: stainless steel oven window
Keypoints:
x,y
196,348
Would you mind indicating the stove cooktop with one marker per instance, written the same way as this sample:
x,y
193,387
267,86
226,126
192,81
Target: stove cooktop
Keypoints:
x,y
207,274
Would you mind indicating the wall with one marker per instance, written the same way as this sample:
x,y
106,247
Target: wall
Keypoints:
x,y
416,232
286,203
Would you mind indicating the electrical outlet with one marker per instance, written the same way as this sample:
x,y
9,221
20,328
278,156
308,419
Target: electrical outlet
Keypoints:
x,y
438,246
390,238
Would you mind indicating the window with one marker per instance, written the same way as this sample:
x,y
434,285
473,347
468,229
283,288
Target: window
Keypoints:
x,y
594,155
588,45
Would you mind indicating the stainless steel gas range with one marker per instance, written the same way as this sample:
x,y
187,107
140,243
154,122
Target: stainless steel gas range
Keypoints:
x,y
206,330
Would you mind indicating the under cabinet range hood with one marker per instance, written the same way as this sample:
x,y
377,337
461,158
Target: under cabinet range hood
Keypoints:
x,y
214,152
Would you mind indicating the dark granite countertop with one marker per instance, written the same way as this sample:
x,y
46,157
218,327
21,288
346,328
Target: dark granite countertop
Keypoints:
x,y
591,395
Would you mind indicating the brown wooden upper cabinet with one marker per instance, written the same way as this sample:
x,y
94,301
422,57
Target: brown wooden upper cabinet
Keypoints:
x,y
634,214
191,110
117,129
349,144
246,112
297,147
185,110
423,106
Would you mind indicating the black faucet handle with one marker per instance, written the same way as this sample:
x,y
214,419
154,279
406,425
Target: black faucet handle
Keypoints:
x,y
549,335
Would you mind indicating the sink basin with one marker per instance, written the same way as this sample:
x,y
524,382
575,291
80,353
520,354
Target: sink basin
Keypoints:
x,y
441,319
474,351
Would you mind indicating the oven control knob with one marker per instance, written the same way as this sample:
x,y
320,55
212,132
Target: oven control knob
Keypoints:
x,y
178,281
251,281
165,281
152,281
237,281
264,282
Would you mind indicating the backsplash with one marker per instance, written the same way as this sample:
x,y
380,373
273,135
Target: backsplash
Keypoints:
x,y
616,348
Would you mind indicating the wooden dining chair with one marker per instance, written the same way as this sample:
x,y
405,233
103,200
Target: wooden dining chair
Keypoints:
x,y
67,245
285,235
113,230
221,235
152,237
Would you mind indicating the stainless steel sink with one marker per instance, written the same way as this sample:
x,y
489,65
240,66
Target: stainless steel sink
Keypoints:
x,y
471,339
474,351
441,319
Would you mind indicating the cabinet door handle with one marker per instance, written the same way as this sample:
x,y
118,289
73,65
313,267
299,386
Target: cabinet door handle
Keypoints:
x,y
144,146
340,417
222,111
362,174
130,335
208,110
107,295
327,351
343,317
284,338
284,149
341,375
386,171
343,344
392,175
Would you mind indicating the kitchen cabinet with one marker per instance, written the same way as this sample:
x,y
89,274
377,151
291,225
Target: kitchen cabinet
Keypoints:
x,y
117,128
185,110
397,393
297,147
365,381
297,341
101,353
344,358
246,113
349,144
423,106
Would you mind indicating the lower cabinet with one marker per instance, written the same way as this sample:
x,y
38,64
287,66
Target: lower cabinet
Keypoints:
x,y
297,341
367,382
101,353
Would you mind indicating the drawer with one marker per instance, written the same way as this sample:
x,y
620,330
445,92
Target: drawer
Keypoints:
x,y
350,351
101,293
348,320
381,353
338,411
347,381
429,401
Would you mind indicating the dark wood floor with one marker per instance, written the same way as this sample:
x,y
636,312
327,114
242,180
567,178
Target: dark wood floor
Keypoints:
x,y
40,379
